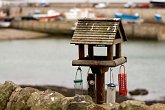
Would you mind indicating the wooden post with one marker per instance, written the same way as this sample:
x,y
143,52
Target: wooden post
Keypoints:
x,y
100,88
81,52
91,77
110,52
118,50
100,83
90,51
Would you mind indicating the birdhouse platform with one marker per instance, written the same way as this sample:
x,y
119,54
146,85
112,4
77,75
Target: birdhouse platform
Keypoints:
x,y
99,61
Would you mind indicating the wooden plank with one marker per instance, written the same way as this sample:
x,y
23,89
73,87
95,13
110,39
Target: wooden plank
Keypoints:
x,y
94,43
92,38
121,31
118,50
88,25
100,20
117,41
91,35
96,32
90,52
120,61
105,40
91,41
110,52
96,25
112,29
81,52
104,63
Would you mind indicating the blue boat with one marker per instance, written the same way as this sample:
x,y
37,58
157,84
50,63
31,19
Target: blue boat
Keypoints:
x,y
127,17
158,17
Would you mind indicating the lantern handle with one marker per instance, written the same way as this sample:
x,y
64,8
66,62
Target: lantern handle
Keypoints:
x,y
111,76
78,69
88,70
121,68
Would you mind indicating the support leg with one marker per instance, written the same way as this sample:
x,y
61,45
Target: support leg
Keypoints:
x,y
100,88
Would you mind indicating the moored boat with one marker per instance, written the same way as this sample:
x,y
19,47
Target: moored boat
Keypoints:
x,y
5,22
77,13
129,18
158,3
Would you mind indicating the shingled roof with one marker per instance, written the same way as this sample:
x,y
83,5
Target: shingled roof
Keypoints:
x,y
98,31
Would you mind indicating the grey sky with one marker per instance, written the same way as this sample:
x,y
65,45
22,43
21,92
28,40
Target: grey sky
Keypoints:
x,y
91,0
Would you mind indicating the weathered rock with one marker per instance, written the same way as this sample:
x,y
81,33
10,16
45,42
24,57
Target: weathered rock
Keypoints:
x,y
80,98
18,99
46,100
157,107
85,102
80,103
6,90
66,102
104,107
95,107
78,106
133,105
13,97
138,92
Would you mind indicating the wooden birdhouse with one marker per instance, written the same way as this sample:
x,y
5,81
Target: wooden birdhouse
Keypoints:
x,y
108,33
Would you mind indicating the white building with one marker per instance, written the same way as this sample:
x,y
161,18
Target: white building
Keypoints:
x,y
10,2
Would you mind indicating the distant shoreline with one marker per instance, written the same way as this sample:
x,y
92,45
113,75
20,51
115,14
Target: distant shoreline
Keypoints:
x,y
12,34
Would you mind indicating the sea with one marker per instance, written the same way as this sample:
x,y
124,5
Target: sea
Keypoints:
x,y
48,61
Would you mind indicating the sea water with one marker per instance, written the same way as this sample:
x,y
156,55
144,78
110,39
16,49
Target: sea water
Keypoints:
x,y
49,62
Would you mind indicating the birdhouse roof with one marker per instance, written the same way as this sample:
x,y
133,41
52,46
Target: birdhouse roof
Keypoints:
x,y
99,32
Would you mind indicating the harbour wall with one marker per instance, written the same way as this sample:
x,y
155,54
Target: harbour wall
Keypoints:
x,y
58,27
132,30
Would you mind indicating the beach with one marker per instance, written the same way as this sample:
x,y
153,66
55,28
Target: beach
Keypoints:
x,y
12,34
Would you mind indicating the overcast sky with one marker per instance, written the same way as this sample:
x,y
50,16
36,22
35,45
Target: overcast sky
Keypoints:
x,y
93,0
102,0
39,1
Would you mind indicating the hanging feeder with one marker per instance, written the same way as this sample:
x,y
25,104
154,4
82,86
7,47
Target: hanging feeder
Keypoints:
x,y
111,90
78,82
122,79
91,83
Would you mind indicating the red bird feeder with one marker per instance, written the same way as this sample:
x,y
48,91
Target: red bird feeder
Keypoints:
x,y
122,78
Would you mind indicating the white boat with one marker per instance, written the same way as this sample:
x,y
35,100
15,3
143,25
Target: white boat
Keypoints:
x,y
77,13
4,24
4,20
49,15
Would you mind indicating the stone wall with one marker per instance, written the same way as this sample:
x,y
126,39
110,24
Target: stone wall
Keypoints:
x,y
132,30
13,97
58,27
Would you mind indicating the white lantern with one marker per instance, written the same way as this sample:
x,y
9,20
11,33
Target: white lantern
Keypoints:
x,y
111,93
78,82
111,90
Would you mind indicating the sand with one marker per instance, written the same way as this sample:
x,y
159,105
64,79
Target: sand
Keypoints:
x,y
11,34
